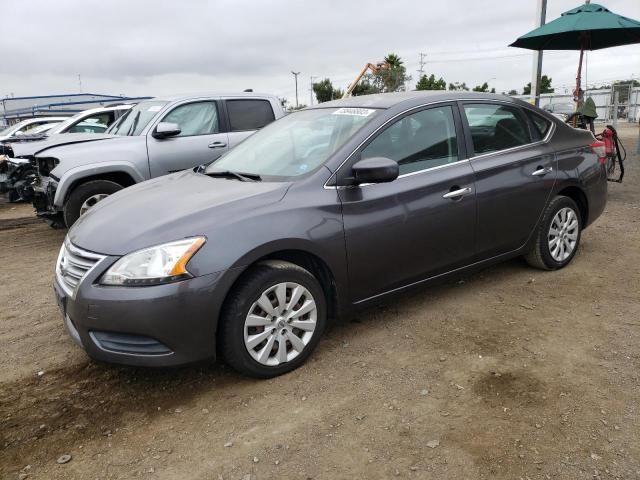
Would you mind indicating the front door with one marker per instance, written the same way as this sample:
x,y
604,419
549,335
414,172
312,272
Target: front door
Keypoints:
x,y
422,223
199,141
515,173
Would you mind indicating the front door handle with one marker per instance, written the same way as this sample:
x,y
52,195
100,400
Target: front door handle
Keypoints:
x,y
542,171
458,193
217,145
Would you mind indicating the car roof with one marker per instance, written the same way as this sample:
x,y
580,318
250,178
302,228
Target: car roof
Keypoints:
x,y
409,99
175,98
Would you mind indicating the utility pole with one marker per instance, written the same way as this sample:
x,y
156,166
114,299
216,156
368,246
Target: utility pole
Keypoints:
x,y
295,74
311,89
80,83
541,18
422,63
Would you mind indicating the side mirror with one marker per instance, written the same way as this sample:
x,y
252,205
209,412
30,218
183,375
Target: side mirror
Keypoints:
x,y
166,129
375,170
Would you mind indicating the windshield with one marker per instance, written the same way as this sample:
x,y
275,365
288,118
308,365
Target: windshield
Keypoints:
x,y
295,145
136,119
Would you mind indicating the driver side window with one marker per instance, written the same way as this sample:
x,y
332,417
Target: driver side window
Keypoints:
x,y
419,141
198,118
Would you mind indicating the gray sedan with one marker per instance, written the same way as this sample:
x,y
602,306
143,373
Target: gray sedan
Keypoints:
x,y
324,211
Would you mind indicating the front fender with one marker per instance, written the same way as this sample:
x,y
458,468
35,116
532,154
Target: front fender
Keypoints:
x,y
78,173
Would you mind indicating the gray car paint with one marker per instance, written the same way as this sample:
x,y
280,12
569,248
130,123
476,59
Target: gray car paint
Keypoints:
x,y
374,240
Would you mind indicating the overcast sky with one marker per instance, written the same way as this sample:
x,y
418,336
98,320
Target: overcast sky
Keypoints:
x,y
164,47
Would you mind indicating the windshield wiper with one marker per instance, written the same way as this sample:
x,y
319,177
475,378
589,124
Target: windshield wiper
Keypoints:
x,y
134,124
243,177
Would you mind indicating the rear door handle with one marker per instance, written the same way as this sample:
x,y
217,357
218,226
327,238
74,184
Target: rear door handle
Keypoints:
x,y
541,172
217,145
459,193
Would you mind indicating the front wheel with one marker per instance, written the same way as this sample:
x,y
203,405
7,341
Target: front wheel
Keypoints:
x,y
558,235
85,196
273,320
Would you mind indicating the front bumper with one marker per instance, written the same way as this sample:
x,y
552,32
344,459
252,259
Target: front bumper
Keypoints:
x,y
161,325
44,191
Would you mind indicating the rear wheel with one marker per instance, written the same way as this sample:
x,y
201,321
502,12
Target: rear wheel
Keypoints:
x,y
85,196
558,235
273,320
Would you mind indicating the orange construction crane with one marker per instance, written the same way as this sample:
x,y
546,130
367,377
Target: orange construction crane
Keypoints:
x,y
369,66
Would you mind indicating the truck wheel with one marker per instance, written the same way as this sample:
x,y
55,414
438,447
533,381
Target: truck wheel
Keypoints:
x,y
272,320
85,196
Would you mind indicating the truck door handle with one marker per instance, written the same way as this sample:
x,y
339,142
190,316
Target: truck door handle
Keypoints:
x,y
542,171
217,145
459,193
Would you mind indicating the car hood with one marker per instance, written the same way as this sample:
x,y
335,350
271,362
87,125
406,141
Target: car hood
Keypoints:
x,y
33,148
169,208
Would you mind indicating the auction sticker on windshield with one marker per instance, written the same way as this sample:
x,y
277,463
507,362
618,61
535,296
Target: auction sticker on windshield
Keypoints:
x,y
354,112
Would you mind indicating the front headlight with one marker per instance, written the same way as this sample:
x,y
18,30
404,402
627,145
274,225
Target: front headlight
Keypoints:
x,y
154,265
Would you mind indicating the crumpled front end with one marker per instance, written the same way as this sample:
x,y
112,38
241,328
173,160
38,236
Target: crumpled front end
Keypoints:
x,y
44,192
16,178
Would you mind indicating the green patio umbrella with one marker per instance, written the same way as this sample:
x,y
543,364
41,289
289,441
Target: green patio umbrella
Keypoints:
x,y
587,27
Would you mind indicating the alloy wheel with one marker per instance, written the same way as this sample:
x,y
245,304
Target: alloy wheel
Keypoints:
x,y
563,234
280,324
91,201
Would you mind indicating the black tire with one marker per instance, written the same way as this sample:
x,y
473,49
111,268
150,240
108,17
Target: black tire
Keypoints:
x,y
231,344
540,255
84,191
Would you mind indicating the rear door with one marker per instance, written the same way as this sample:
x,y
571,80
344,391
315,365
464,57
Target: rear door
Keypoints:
x,y
515,170
246,116
202,138
422,223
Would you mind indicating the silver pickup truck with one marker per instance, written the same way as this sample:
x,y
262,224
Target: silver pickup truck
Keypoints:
x,y
156,137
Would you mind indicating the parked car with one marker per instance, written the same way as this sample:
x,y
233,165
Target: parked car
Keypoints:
x,y
93,120
154,138
25,127
560,110
33,134
250,256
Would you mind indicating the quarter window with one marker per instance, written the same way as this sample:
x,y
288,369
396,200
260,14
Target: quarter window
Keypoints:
x,y
198,118
249,114
419,141
496,127
540,124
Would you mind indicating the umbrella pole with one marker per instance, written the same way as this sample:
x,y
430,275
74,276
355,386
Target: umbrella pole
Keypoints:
x,y
577,92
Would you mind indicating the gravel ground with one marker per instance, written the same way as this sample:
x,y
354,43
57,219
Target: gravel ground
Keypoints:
x,y
511,373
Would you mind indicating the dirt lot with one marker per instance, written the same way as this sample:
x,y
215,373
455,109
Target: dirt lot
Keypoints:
x,y
512,373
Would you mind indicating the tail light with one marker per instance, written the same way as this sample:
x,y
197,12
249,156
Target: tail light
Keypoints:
x,y
598,147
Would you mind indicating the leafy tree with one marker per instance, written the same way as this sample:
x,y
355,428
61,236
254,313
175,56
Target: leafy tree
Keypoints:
x,y
513,92
430,83
484,88
545,86
325,91
392,79
459,86
365,87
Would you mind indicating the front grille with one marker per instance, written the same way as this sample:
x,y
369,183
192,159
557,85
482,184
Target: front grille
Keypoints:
x,y
73,264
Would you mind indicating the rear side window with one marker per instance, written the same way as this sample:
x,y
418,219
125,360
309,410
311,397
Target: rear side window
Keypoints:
x,y
249,114
496,127
541,125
